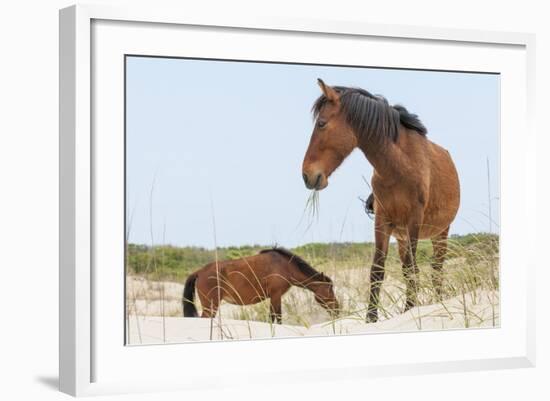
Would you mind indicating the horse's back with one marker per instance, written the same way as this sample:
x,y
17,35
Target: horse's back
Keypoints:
x,y
245,280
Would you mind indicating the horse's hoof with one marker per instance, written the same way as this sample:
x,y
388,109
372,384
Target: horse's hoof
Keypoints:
x,y
372,317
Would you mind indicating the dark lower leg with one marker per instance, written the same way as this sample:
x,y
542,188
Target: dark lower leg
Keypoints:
x,y
276,310
382,232
376,279
440,250
411,271
407,252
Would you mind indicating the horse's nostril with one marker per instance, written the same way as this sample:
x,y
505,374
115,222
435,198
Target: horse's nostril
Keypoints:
x,y
304,176
317,181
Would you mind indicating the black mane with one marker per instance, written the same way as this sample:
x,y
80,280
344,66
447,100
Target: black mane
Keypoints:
x,y
300,263
371,116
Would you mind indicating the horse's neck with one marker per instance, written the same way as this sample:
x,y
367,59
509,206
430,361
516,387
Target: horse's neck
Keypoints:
x,y
299,279
384,156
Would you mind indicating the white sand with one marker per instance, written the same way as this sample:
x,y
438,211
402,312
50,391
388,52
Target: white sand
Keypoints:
x,y
479,309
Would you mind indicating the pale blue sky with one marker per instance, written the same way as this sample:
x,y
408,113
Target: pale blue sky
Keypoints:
x,y
229,138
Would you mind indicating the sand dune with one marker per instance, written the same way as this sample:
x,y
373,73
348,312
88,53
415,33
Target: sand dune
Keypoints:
x,y
476,309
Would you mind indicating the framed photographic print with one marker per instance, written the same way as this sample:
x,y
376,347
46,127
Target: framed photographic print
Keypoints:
x,y
242,190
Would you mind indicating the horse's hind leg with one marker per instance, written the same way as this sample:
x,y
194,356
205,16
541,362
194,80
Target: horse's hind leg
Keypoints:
x,y
440,250
209,302
210,310
276,309
410,271
407,254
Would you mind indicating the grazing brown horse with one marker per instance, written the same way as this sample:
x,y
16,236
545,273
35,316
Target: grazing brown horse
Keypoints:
x,y
415,183
250,280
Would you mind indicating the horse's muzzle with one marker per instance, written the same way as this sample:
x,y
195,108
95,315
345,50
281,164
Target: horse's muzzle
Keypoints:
x,y
315,181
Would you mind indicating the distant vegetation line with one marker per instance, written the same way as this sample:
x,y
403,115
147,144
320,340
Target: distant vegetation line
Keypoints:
x,y
169,262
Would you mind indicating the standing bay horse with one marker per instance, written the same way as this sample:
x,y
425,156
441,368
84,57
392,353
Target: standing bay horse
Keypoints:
x,y
415,183
252,279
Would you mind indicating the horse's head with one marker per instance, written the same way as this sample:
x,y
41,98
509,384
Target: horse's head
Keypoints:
x,y
325,296
331,142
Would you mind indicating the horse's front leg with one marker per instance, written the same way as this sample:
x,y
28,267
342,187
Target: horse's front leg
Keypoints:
x,y
275,308
382,234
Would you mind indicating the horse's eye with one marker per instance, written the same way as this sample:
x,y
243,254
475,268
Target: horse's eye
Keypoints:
x,y
321,123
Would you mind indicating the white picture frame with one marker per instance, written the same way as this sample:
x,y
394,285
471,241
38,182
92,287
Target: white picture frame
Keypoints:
x,y
84,354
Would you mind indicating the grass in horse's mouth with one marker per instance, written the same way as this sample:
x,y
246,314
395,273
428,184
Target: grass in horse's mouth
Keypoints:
x,y
312,205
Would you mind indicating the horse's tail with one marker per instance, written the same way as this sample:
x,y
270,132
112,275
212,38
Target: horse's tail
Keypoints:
x,y
189,309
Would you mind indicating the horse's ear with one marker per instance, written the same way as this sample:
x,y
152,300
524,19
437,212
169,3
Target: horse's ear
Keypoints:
x,y
329,92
